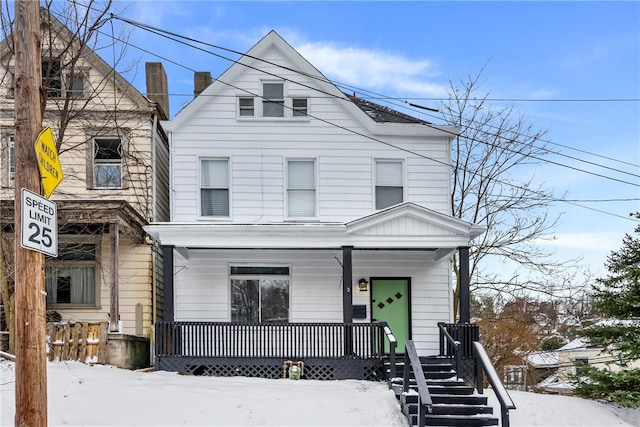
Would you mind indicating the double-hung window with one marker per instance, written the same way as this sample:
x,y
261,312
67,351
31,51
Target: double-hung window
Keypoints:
x,y
107,162
259,294
75,85
300,107
246,107
301,189
71,278
389,183
214,187
273,99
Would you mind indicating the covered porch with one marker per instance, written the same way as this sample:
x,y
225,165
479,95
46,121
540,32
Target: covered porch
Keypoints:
x,y
327,316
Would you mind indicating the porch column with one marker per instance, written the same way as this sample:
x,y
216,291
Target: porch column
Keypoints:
x,y
114,305
167,270
347,301
465,310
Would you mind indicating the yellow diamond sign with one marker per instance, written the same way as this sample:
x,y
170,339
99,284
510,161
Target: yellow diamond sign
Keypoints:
x,y
48,161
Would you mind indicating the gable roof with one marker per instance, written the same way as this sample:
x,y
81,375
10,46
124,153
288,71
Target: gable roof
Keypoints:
x,y
372,116
62,32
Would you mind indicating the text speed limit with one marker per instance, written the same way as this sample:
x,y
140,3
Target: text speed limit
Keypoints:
x,y
39,230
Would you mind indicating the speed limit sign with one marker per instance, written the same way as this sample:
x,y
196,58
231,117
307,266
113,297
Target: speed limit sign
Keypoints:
x,y
39,231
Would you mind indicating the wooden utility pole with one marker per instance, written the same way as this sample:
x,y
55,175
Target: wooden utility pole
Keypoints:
x,y
30,300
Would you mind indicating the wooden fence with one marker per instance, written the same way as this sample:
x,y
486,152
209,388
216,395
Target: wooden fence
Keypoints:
x,y
85,342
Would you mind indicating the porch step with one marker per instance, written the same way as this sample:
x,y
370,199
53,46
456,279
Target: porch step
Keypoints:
x,y
410,402
432,366
455,420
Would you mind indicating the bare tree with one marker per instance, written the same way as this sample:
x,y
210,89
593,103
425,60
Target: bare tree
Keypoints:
x,y
494,186
82,98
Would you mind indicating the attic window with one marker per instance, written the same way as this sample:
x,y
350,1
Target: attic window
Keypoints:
x,y
273,99
52,77
300,107
246,107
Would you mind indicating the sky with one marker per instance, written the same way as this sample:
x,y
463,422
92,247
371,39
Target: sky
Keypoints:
x,y
84,395
571,68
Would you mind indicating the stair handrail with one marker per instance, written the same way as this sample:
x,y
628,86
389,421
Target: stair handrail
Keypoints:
x,y
412,362
453,343
483,363
393,343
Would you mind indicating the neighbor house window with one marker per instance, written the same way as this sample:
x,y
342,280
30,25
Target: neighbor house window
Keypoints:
x,y
214,187
107,162
246,107
301,188
389,188
273,99
300,107
75,85
259,294
71,277
52,77
11,161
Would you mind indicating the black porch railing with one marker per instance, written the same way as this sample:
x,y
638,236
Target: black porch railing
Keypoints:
x,y
270,340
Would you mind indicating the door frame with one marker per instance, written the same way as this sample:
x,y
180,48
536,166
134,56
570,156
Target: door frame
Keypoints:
x,y
408,279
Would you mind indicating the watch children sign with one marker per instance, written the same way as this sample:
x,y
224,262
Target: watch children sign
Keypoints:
x,y
48,162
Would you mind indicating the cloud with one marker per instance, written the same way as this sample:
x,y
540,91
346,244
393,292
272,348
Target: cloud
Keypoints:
x,y
379,70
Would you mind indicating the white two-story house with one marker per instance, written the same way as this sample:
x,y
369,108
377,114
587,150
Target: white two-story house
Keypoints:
x,y
295,203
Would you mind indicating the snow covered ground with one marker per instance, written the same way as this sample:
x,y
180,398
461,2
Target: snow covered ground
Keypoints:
x,y
82,395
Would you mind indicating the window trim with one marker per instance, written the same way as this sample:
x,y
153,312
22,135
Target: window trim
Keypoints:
x,y
200,187
403,178
287,189
96,263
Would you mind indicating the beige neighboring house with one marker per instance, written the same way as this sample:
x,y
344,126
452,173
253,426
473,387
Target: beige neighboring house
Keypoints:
x,y
115,160
569,359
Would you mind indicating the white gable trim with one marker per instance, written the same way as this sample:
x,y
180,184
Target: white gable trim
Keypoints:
x,y
410,219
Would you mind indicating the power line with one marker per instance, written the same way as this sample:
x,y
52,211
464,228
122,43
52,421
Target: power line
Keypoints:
x,y
160,33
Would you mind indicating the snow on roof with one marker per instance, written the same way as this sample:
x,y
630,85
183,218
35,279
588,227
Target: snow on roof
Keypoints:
x,y
577,343
541,359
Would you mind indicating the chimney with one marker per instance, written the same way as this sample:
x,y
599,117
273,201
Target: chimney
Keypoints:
x,y
157,86
201,80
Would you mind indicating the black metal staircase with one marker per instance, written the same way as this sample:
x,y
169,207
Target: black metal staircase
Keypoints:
x,y
453,402
446,390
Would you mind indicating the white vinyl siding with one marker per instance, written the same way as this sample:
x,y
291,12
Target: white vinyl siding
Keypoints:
x,y
389,183
214,187
301,189
202,290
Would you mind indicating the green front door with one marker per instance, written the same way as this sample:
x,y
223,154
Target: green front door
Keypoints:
x,y
390,303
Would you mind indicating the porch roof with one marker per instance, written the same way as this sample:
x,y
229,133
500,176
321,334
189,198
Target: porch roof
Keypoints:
x,y
406,226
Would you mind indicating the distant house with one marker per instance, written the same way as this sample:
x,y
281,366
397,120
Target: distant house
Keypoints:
x,y
115,160
568,360
295,203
